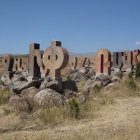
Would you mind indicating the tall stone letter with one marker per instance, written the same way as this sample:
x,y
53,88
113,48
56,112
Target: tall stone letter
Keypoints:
x,y
35,61
17,64
55,58
74,63
117,60
85,62
103,62
8,64
127,60
135,56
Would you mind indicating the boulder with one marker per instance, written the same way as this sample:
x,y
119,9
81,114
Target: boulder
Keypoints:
x,y
105,79
68,94
91,83
69,85
18,103
83,70
18,77
6,80
54,84
91,73
118,74
18,86
115,79
29,94
76,76
48,97
110,85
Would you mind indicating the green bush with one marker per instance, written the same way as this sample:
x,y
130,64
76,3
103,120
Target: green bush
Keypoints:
x,y
137,70
74,108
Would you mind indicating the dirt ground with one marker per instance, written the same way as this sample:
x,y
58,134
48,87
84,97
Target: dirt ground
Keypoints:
x,y
118,121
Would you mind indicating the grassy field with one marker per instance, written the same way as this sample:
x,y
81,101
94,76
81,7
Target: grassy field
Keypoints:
x,y
108,114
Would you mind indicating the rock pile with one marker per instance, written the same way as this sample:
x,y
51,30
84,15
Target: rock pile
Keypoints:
x,y
26,93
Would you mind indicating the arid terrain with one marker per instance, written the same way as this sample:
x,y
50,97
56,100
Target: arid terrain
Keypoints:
x,y
110,114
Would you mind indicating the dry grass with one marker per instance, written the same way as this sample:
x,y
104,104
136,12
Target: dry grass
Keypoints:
x,y
4,96
110,113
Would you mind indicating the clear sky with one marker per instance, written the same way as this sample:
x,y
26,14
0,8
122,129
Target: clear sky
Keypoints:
x,y
81,25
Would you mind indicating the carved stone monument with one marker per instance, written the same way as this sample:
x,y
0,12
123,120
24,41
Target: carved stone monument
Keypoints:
x,y
117,61
74,63
17,64
8,61
103,62
35,61
85,62
127,60
56,58
135,56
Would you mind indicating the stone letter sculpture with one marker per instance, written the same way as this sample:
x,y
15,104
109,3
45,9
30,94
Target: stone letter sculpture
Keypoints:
x,y
35,61
127,60
8,65
85,62
135,56
17,64
103,62
56,58
117,61
74,63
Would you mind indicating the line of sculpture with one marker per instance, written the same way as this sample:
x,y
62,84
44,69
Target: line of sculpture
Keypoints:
x,y
55,58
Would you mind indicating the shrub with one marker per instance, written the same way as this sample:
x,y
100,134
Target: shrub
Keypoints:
x,y
97,89
131,83
4,96
137,70
68,78
74,108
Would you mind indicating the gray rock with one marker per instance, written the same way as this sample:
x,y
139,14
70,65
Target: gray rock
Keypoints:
x,y
69,85
49,83
18,77
105,79
118,74
25,74
29,94
18,103
76,76
90,74
91,83
18,86
68,94
70,71
6,81
110,85
48,97
83,70
115,79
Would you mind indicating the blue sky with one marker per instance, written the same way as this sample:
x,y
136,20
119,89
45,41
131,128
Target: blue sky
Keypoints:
x,y
81,25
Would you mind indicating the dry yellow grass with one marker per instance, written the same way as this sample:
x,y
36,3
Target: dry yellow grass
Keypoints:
x,y
110,114
119,121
